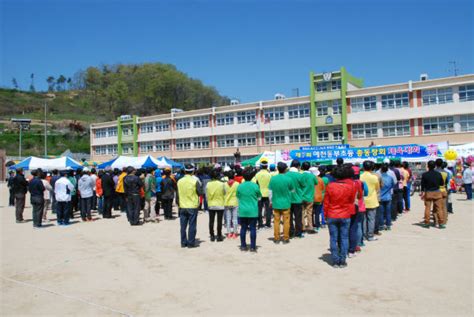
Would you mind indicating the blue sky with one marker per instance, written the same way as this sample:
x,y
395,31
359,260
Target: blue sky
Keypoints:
x,y
246,49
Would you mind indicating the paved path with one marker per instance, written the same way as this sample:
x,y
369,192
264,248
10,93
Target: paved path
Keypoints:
x,y
109,268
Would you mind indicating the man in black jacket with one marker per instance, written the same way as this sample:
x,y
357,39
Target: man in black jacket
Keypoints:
x,y
132,185
168,188
36,189
108,189
11,199
20,188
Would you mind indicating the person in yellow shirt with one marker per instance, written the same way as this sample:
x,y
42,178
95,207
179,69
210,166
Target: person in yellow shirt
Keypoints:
x,y
215,194
371,200
231,206
121,191
262,179
189,189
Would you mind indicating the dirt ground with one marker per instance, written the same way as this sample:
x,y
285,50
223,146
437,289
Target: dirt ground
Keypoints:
x,y
110,268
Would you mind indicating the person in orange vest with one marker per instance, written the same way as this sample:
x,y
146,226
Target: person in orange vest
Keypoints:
x,y
99,193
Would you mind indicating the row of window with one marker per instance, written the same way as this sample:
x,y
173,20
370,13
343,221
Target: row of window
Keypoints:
x,y
401,100
402,128
106,132
110,149
323,108
332,85
326,135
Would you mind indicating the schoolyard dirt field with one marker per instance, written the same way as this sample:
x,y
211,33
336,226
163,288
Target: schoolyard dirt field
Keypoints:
x,y
110,268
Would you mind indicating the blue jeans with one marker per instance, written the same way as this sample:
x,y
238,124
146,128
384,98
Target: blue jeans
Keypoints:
x,y
355,231
385,214
369,222
468,189
62,212
100,205
339,231
407,200
86,206
245,224
188,217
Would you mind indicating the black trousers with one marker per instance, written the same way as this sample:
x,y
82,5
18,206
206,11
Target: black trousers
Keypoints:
x,y
86,206
296,220
133,209
19,206
107,208
116,201
158,203
212,216
11,199
395,204
123,202
167,208
264,203
38,207
63,209
405,196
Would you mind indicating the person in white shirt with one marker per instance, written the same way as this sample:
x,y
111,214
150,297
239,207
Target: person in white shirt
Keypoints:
x,y
86,186
94,177
62,191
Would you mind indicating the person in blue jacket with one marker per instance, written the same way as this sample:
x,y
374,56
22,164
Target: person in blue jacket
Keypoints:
x,y
159,180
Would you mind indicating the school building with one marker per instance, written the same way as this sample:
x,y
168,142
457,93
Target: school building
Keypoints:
x,y
339,110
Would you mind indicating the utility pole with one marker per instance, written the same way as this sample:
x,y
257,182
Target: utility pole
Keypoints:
x,y
45,131
455,70
19,150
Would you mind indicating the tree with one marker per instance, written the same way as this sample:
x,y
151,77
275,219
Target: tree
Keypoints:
x,y
69,81
50,81
60,83
117,96
15,83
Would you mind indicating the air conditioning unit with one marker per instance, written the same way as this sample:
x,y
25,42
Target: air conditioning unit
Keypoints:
x,y
423,77
279,96
234,102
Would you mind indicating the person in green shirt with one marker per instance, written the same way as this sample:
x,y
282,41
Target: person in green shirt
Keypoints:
x,y
215,194
231,205
281,187
309,181
262,179
296,221
248,194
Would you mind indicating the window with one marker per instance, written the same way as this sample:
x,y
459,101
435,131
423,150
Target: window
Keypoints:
x,y
438,125
467,122
225,141
112,149
246,117
100,150
395,101
127,130
364,131
437,96
225,119
127,149
247,139
225,160
146,147
299,136
322,86
201,122
275,137
275,114
147,127
183,124
363,104
161,126
396,128
100,133
301,111
112,131
323,135
322,108
337,135
162,146
201,143
183,144
336,107
336,85
466,93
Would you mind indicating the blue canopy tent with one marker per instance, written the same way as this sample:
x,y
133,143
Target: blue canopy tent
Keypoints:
x,y
170,162
136,162
62,163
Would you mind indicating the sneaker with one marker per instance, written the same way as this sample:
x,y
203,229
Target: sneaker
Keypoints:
x,y
378,233
213,238
253,250
442,226
358,249
336,265
286,241
244,249
276,241
388,228
220,238
425,225
351,255
343,264
316,230
372,239
230,235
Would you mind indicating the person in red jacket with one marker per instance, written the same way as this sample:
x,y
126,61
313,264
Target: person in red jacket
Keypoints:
x,y
338,209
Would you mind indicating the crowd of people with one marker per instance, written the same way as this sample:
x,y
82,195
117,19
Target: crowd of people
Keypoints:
x,y
356,203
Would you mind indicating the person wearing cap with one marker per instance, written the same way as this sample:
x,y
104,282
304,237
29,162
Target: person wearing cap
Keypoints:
x,y
85,186
108,190
215,194
281,188
20,188
121,191
55,177
46,195
296,221
132,185
158,191
310,181
74,195
248,194
189,190
262,179
168,189
94,177
62,193
371,200
149,213
36,189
